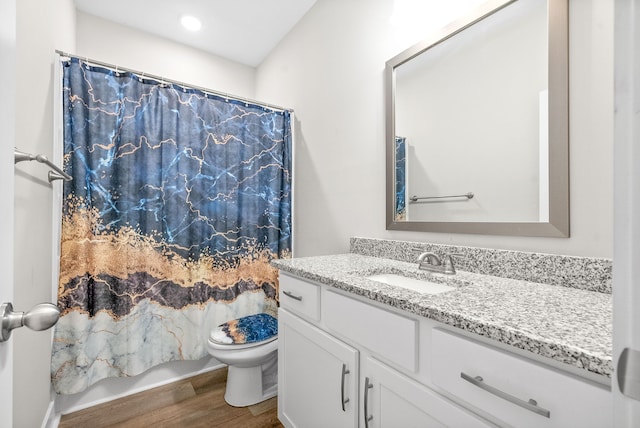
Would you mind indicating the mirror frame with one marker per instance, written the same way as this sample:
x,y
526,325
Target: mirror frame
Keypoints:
x,y
558,82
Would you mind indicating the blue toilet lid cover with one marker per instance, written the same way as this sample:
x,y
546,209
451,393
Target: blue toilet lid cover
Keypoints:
x,y
249,329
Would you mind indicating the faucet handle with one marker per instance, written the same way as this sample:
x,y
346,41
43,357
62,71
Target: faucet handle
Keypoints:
x,y
448,262
429,258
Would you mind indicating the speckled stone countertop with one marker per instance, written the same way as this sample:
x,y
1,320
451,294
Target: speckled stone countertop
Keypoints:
x,y
569,325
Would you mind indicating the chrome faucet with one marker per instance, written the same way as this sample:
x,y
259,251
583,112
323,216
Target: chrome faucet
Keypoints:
x,y
431,262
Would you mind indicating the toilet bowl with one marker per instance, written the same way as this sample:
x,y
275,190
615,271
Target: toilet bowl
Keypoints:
x,y
249,346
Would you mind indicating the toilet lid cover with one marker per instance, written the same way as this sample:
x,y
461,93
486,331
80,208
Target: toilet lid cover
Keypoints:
x,y
249,329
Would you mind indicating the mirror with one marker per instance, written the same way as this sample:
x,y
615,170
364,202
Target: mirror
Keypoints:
x,y
477,125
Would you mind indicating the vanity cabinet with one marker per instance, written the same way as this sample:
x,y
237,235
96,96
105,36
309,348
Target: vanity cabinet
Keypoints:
x,y
352,364
345,361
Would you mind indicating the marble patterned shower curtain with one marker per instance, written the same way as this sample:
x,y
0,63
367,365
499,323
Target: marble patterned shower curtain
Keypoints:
x,y
178,202
401,179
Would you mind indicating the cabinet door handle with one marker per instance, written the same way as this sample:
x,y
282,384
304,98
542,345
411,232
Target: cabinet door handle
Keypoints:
x,y
531,405
367,387
345,372
293,296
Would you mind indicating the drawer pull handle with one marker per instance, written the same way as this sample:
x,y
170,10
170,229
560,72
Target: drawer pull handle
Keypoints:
x,y
345,372
531,405
367,387
293,296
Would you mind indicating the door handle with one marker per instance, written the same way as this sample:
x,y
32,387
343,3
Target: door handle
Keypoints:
x,y
344,401
293,296
628,373
531,405
40,317
367,417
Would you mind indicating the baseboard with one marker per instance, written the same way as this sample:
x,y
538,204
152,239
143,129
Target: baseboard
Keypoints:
x,y
51,418
114,388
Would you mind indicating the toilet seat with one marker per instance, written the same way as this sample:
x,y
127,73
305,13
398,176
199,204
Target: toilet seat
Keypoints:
x,y
246,332
214,344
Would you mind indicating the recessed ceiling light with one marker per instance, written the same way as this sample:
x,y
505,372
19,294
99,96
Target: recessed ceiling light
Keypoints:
x,y
191,23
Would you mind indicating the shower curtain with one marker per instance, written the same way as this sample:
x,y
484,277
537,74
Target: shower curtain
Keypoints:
x,y
401,178
179,200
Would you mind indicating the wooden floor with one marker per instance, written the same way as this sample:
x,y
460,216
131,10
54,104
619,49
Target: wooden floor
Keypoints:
x,y
194,402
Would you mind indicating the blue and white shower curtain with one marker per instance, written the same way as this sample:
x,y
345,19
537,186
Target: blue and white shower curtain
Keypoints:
x,y
179,201
400,178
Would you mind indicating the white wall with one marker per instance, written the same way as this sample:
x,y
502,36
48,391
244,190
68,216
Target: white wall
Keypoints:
x,y
330,70
116,44
37,36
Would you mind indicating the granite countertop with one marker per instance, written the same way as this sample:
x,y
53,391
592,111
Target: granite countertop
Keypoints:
x,y
570,325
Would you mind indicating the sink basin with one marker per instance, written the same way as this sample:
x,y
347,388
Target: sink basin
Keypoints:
x,y
419,285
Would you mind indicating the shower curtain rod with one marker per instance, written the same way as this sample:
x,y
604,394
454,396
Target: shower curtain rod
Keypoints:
x,y
161,79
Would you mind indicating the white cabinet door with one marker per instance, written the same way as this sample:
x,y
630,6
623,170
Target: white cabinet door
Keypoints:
x,y
390,400
317,376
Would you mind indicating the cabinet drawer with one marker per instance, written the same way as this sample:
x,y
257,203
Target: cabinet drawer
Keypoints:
x,y
515,390
300,297
385,333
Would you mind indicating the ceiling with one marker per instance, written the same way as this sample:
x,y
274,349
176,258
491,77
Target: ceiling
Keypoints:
x,y
244,31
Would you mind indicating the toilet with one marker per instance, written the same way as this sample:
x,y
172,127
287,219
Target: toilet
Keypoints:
x,y
249,346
